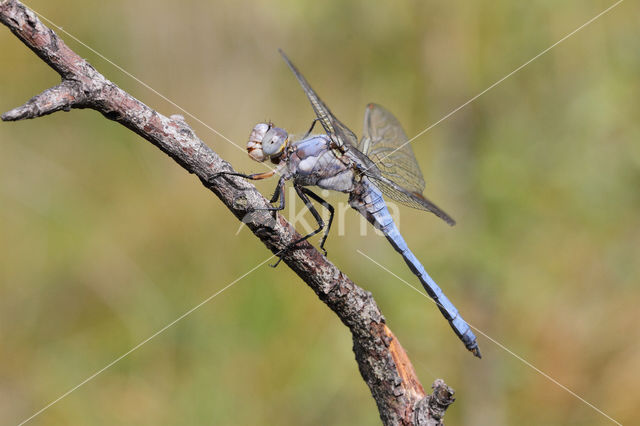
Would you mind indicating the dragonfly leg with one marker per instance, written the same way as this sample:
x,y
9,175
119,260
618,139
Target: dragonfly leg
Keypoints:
x,y
327,206
313,123
254,176
316,216
278,194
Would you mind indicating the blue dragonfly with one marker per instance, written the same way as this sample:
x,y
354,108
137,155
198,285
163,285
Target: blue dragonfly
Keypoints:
x,y
381,164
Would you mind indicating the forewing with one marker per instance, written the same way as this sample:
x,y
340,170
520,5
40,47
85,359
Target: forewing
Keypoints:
x,y
386,144
337,131
410,199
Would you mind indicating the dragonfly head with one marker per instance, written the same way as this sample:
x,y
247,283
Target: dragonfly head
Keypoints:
x,y
266,141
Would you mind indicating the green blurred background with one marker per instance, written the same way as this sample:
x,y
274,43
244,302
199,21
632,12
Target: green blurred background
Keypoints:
x,y
104,240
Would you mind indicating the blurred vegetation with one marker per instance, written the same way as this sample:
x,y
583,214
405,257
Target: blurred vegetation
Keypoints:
x,y
103,240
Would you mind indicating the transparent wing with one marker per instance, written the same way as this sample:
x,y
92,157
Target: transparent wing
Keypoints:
x,y
411,199
385,143
338,132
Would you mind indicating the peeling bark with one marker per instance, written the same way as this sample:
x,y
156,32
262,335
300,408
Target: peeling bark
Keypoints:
x,y
382,361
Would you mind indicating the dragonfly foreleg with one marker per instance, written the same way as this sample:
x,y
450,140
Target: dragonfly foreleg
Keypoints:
x,y
279,193
327,206
303,196
254,176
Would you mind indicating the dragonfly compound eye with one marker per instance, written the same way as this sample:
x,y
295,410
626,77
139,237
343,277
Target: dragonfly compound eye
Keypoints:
x,y
274,142
254,145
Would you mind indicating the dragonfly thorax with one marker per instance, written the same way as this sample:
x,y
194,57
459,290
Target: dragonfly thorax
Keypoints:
x,y
266,141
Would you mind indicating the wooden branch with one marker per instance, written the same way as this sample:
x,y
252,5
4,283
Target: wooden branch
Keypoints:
x,y
382,361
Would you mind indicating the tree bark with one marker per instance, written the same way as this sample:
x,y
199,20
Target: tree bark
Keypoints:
x,y
382,361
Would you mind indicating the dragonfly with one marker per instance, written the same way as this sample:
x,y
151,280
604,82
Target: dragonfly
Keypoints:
x,y
381,163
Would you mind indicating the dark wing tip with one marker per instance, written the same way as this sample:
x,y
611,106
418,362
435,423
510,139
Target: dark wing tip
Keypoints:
x,y
285,57
442,215
450,221
435,209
